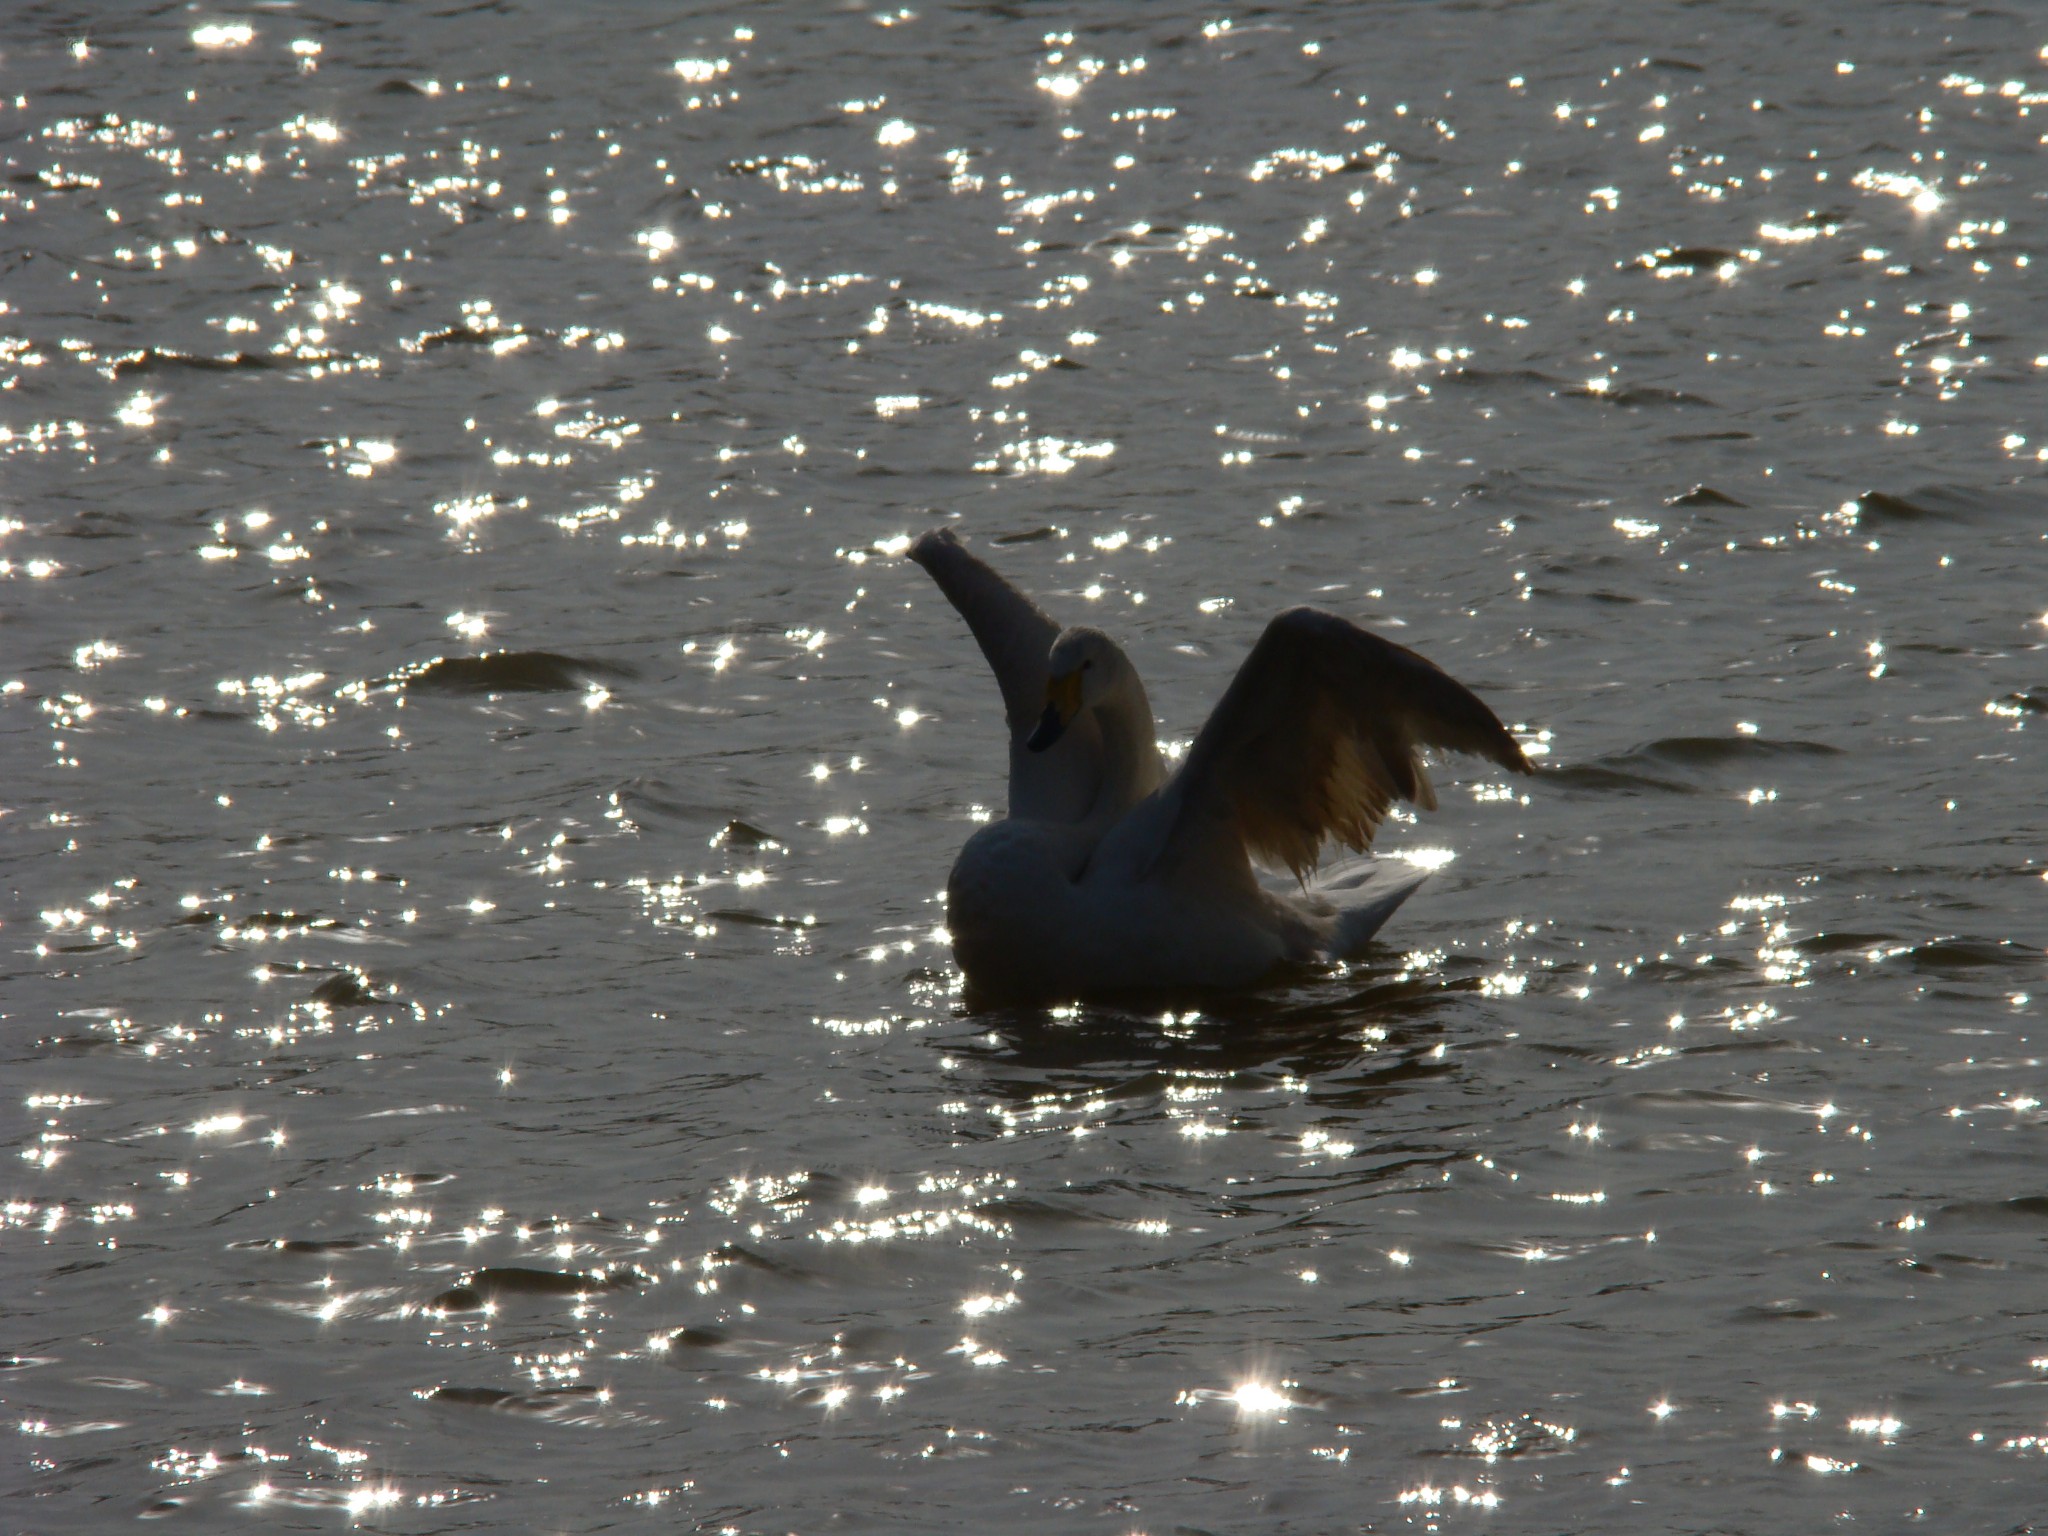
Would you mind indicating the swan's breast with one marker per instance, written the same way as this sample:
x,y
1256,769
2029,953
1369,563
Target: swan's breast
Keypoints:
x,y
1037,910
1008,902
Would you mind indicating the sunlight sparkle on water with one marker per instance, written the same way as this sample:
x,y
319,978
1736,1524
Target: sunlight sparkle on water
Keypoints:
x,y
1430,1496
139,410
363,1500
1825,1465
223,34
1258,1397
1427,858
466,511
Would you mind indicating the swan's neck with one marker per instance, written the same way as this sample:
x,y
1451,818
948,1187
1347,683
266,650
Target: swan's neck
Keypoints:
x,y
1131,769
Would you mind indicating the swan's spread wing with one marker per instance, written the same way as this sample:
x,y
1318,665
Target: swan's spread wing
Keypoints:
x,y
1316,736
1016,636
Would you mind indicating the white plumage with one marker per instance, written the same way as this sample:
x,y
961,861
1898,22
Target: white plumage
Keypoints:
x,y
1109,876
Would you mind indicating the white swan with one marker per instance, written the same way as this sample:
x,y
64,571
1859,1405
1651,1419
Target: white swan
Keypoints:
x,y
1108,875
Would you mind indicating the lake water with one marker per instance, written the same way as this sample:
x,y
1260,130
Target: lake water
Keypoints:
x,y
478,1034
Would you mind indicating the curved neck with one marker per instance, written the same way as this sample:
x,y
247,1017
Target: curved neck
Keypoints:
x,y
1131,769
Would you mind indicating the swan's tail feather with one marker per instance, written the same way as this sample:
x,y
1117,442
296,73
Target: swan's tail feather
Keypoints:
x,y
1365,893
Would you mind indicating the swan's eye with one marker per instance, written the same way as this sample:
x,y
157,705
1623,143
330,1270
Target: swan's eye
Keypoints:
x,y
1087,664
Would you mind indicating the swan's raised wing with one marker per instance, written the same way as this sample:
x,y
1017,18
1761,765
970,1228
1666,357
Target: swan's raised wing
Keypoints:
x,y
1319,732
1013,632
1016,636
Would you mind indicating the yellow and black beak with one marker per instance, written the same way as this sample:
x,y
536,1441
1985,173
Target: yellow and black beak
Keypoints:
x,y
1062,703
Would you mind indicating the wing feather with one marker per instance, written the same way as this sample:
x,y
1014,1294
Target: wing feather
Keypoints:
x,y
1014,633
1319,733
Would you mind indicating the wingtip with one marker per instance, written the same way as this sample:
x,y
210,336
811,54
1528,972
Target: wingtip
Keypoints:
x,y
930,543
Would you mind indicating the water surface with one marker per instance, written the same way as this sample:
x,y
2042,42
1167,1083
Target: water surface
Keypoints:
x,y
478,1033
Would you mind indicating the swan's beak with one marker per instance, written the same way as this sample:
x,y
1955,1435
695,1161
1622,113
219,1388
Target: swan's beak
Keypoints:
x,y
1062,703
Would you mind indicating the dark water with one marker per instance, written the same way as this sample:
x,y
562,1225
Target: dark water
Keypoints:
x,y
475,1025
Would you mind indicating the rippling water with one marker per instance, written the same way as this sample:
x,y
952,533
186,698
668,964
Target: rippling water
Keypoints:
x,y
478,1033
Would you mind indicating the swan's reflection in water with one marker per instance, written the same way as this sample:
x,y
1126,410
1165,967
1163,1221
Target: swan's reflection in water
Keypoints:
x,y
1306,1026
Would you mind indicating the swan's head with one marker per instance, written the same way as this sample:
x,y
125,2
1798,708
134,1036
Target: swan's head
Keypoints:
x,y
1083,668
